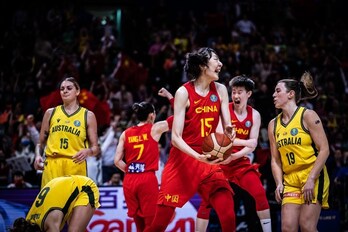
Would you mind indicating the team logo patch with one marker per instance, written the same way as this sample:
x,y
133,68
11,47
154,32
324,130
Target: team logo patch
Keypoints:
x,y
213,98
294,131
248,124
77,123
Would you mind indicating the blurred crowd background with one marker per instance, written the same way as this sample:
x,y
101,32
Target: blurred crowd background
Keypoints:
x,y
123,52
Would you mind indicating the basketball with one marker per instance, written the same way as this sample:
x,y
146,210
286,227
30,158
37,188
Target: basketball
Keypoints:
x,y
218,145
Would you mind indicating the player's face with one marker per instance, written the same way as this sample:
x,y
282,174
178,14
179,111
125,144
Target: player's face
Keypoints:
x,y
214,67
280,95
239,95
68,91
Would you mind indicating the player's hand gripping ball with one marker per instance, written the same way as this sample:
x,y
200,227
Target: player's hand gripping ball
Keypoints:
x,y
217,145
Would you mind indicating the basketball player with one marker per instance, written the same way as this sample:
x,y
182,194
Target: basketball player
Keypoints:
x,y
299,150
68,134
238,168
137,155
198,105
72,199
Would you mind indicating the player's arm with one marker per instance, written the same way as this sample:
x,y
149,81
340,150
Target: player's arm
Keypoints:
x,y
119,154
44,131
180,106
158,129
313,123
276,163
163,92
92,132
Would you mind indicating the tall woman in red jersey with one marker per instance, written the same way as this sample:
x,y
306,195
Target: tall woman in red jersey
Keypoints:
x,y
198,105
137,155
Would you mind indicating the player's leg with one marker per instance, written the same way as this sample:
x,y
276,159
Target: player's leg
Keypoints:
x,y
251,182
265,220
201,224
162,218
80,217
53,221
147,196
309,217
202,219
148,220
289,217
222,202
139,223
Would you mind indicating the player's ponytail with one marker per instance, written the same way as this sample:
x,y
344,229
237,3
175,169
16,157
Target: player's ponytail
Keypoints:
x,y
308,90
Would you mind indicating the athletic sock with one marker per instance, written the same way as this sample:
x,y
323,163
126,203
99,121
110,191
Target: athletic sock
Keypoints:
x,y
266,225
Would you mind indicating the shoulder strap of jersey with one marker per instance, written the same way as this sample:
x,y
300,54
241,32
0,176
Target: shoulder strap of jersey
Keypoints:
x,y
53,111
302,115
276,123
85,115
213,86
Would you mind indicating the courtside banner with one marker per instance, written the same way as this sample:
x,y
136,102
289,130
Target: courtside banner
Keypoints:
x,y
110,217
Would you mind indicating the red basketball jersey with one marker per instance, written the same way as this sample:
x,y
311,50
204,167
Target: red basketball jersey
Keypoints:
x,y
202,117
183,176
241,165
242,127
141,150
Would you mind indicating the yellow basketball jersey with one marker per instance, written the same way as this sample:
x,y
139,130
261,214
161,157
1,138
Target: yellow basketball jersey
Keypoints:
x,y
294,143
68,133
63,193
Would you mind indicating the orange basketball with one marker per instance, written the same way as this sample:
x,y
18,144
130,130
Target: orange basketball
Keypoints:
x,y
217,145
